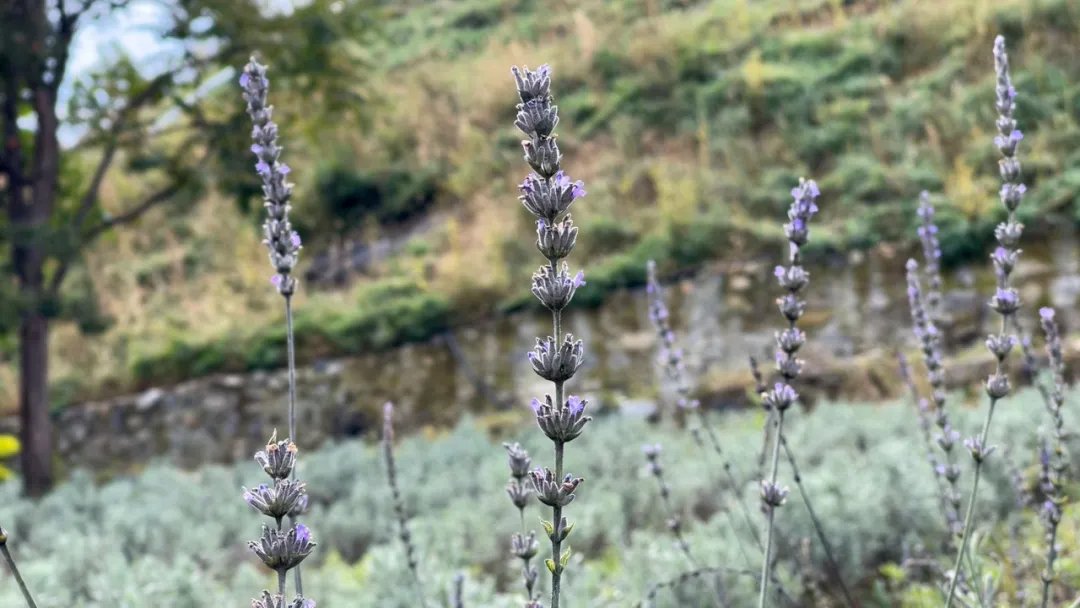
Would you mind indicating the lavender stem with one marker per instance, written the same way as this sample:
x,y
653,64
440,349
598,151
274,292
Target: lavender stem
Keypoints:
x,y
766,563
15,570
819,529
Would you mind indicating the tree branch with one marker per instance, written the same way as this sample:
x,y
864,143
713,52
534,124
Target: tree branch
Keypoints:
x,y
131,214
136,102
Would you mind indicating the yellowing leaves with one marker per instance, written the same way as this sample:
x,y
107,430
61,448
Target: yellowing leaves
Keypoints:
x,y
9,446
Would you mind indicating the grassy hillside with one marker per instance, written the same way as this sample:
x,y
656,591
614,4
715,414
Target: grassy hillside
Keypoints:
x,y
689,122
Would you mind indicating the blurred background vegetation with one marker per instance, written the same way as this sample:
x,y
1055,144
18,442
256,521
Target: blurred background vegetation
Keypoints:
x,y
688,121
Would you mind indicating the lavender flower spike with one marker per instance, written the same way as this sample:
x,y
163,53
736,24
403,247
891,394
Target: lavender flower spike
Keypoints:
x,y
548,193
1054,461
946,438
1005,301
282,550
792,279
399,503
282,242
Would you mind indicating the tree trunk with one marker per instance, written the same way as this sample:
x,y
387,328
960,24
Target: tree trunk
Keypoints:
x,y
36,456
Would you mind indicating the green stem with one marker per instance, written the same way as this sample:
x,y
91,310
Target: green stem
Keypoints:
x,y
556,541
291,347
1048,576
970,509
556,512
733,483
18,577
818,528
765,564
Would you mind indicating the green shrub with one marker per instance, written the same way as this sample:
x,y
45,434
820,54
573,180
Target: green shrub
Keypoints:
x,y
131,540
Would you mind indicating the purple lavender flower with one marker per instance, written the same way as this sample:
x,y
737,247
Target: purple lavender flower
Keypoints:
x,y
931,249
1005,301
792,279
281,551
277,231
548,193
1053,460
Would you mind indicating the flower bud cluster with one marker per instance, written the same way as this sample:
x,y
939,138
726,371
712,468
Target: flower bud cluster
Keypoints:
x,y
671,356
522,546
931,249
281,549
281,240
792,278
561,423
551,491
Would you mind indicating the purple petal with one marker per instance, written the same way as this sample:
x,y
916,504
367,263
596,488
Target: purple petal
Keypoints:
x,y
575,404
578,190
303,535
245,79
579,278
284,169
1046,313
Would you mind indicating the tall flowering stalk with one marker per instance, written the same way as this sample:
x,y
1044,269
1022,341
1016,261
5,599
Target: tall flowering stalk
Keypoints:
x,y
1053,459
781,396
279,548
399,503
673,362
15,570
1005,301
547,193
947,437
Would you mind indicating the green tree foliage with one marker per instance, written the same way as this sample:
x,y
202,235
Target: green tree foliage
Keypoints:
x,y
164,120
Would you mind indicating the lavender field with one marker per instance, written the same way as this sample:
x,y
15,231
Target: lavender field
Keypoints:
x,y
494,303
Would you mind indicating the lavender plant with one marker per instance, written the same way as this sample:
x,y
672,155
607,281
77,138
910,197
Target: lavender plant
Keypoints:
x,y
1053,459
946,470
399,504
547,193
522,546
14,569
674,523
280,549
782,396
819,529
671,357
1005,301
